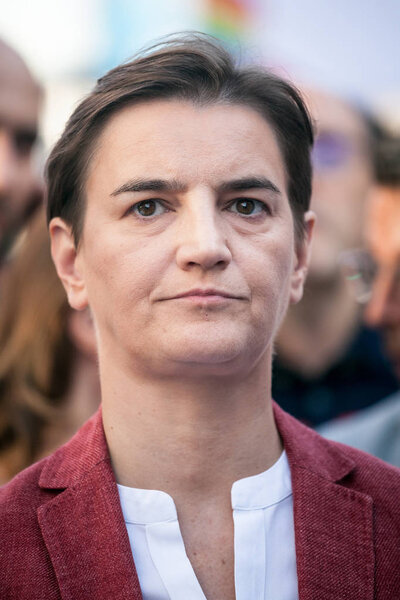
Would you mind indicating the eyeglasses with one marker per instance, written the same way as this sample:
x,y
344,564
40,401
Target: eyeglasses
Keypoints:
x,y
360,270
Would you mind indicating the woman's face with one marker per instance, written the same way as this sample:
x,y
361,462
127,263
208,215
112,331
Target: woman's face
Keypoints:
x,y
188,258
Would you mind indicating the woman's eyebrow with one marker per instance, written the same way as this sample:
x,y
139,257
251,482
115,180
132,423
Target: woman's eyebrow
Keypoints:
x,y
150,185
173,185
248,183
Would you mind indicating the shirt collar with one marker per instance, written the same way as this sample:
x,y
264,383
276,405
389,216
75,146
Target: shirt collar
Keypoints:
x,y
264,489
250,493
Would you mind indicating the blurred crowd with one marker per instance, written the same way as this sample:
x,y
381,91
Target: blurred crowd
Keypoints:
x,y
337,356
48,372
330,360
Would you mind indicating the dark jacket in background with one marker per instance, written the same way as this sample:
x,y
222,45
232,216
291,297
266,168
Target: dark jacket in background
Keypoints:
x,y
359,378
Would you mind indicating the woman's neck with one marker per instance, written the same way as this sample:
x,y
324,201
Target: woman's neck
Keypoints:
x,y
189,437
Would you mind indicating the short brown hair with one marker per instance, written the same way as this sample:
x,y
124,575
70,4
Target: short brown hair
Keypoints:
x,y
191,67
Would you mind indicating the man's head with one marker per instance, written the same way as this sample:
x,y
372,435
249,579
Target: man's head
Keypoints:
x,y
177,198
20,188
342,176
383,242
195,69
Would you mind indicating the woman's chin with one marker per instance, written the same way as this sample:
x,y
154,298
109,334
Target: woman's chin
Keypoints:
x,y
206,358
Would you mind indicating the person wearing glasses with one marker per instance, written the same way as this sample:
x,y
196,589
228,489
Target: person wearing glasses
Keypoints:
x,y
327,361
373,275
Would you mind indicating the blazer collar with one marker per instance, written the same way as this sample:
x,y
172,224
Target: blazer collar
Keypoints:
x,y
86,537
333,522
308,450
305,449
83,526
67,465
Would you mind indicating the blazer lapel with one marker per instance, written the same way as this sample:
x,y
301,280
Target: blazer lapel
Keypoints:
x,y
83,526
333,524
334,543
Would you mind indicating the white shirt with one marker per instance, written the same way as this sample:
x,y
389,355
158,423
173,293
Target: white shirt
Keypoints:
x,y
265,557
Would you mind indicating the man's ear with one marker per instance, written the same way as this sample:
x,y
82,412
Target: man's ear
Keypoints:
x,y
66,259
303,254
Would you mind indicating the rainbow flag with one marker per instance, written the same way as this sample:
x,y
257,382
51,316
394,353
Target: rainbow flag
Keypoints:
x,y
230,20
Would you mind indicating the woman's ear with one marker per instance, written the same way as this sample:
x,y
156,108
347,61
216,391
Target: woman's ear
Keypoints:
x,y
302,259
66,258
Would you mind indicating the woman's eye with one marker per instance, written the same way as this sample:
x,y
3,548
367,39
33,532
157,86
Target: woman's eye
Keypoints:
x,y
148,208
247,206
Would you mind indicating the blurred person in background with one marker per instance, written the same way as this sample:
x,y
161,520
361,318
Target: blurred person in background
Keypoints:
x,y
374,273
48,371
327,362
20,184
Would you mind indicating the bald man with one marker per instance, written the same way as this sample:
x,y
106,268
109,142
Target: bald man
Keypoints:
x,y
20,187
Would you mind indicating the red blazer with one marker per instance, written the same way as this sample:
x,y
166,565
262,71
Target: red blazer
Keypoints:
x,y
63,535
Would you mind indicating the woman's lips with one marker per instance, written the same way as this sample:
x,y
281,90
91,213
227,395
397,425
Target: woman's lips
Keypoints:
x,y
206,297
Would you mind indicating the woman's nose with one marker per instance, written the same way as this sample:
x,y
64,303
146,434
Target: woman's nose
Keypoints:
x,y
203,240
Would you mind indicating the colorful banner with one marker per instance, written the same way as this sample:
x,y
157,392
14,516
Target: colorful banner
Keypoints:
x,y
230,20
